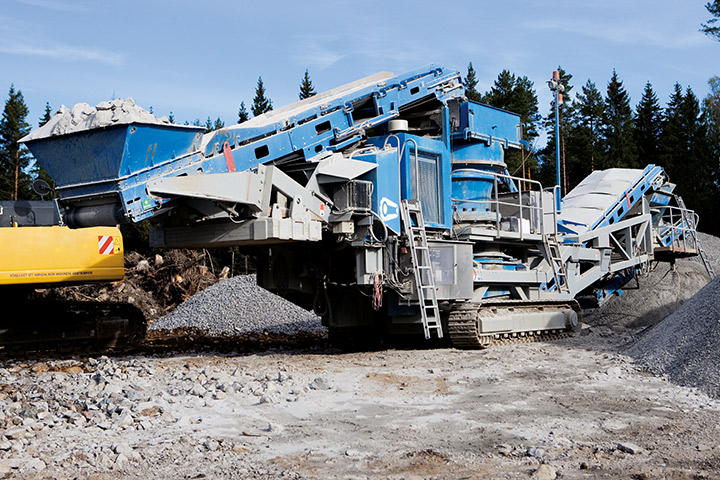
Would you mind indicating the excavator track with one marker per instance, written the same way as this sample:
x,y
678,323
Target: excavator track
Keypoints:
x,y
466,322
53,325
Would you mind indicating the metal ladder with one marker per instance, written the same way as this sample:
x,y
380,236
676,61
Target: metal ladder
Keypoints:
x,y
705,261
691,223
555,259
424,279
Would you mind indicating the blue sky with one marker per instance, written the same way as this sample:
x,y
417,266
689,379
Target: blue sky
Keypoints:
x,y
200,59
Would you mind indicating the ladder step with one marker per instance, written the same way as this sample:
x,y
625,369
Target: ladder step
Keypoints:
x,y
414,225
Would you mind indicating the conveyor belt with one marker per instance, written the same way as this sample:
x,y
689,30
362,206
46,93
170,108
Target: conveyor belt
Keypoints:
x,y
605,197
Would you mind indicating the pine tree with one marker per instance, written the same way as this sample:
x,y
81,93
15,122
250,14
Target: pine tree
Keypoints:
x,y
218,124
590,108
171,117
47,115
618,128
208,125
517,95
711,109
525,103
583,137
712,28
646,134
243,115
501,92
306,87
261,104
470,82
686,153
14,158
671,136
698,158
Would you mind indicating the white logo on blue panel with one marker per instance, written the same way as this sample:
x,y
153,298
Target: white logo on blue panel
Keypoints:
x,y
388,209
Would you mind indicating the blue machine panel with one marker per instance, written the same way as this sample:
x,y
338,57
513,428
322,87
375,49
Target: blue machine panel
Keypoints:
x,y
386,188
472,193
425,174
489,124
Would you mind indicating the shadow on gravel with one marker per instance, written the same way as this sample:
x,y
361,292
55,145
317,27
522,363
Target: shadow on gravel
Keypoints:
x,y
182,341
194,341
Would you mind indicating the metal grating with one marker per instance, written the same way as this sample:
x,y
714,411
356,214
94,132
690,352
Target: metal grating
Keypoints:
x,y
429,189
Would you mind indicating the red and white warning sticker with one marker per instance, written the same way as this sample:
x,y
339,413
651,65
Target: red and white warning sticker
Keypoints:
x,y
106,245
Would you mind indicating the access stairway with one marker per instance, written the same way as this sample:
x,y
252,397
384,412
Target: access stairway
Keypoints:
x,y
422,267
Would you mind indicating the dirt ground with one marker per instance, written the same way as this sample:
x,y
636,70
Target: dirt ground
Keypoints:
x,y
571,409
280,407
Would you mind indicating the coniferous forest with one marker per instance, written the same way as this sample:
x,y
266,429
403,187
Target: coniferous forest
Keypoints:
x,y
602,129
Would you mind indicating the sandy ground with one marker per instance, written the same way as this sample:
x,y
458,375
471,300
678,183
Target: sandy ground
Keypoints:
x,y
573,408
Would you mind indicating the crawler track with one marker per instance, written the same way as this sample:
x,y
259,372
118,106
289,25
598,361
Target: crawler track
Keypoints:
x,y
71,325
464,329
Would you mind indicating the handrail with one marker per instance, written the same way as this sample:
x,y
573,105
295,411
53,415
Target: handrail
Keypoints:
x,y
401,150
680,223
495,202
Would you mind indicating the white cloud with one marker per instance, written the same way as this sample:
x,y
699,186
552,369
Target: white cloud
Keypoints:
x,y
63,6
622,31
315,51
63,52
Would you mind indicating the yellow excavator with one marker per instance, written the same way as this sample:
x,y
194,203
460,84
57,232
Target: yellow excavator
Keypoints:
x,y
37,251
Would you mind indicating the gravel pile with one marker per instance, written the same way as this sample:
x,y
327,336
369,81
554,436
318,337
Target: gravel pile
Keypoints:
x,y
237,306
82,117
661,291
685,346
711,247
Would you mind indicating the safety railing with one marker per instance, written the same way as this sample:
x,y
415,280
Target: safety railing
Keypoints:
x,y
521,211
677,229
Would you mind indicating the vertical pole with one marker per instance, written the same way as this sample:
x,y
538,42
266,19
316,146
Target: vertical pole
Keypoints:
x,y
557,87
557,137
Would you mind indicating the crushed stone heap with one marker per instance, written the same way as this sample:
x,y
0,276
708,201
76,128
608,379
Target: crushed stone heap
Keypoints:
x,y
685,346
237,306
83,117
662,291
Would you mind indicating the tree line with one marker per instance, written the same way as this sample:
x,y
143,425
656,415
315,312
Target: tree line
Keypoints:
x,y
600,131
261,103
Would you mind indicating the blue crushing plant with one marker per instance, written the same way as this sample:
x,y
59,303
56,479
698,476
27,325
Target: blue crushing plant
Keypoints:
x,y
385,206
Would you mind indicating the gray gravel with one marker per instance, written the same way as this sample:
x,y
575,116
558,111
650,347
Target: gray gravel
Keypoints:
x,y
685,346
711,246
237,306
661,291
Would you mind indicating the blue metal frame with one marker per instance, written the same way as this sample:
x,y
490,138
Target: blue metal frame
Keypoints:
x,y
108,170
